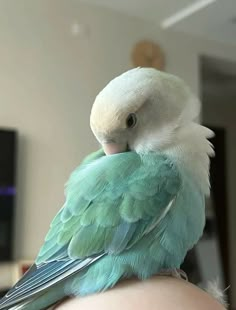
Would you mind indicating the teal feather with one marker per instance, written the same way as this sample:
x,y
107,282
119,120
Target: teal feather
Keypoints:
x,y
116,207
132,193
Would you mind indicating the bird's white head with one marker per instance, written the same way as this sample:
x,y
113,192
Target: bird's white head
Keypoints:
x,y
142,110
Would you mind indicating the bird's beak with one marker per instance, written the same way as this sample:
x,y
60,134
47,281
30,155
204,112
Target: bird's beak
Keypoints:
x,y
114,148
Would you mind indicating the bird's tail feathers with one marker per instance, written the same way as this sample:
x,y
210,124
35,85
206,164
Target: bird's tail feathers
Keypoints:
x,y
43,301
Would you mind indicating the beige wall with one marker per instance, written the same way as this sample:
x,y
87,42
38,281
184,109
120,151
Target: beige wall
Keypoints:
x,y
48,82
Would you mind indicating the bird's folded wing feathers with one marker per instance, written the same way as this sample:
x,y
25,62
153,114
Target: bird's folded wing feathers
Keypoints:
x,y
111,202
41,277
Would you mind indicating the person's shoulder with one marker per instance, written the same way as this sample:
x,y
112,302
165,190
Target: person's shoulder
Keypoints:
x,y
156,293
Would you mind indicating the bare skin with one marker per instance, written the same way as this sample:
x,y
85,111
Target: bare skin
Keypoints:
x,y
162,293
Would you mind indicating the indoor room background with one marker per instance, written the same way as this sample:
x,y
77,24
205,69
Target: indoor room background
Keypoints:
x,y
55,56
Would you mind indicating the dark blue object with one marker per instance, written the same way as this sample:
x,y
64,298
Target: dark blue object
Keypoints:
x,y
8,145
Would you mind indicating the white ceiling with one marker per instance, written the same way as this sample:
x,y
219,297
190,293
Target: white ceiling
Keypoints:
x,y
216,21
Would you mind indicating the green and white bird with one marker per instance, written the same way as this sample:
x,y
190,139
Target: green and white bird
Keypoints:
x,y
133,208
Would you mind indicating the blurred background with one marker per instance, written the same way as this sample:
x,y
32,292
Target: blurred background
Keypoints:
x,y
55,56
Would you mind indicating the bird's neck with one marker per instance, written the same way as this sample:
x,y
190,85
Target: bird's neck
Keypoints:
x,y
191,151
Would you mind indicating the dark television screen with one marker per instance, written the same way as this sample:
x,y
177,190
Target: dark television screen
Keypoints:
x,y
7,157
7,190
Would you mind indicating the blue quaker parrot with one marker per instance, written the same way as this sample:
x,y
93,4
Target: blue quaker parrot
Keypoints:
x,y
133,208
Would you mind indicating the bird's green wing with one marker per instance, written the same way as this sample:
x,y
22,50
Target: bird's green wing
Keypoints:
x,y
111,202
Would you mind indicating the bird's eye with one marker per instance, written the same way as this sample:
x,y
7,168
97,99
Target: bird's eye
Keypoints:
x,y
131,120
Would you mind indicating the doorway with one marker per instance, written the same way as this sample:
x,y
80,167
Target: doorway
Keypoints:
x,y
218,95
